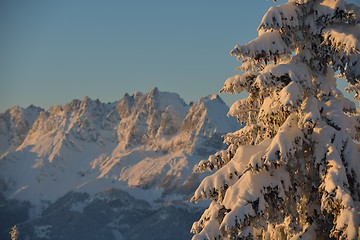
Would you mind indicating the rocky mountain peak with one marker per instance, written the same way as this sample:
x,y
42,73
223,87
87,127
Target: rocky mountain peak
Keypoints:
x,y
144,140
15,124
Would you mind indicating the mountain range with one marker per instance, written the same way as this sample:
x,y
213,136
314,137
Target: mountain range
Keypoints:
x,y
123,168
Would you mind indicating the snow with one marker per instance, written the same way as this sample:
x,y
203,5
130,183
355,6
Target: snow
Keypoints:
x,y
286,142
346,217
267,46
336,174
213,104
141,168
15,123
286,15
241,109
291,96
250,188
211,230
88,146
310,113
327,9
342,38
302,181
239,82
229,174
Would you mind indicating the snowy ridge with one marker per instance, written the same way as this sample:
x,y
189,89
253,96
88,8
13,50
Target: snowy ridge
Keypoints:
x,y
15,123
151,141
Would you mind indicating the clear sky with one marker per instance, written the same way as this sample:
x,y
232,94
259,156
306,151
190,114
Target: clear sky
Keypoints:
x,y
54,51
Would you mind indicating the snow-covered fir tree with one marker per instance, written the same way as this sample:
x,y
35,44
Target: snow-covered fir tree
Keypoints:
x,y
293,171
14,233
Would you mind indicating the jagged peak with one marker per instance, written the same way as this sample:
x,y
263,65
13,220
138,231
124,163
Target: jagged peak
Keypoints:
x,y
72,106
212,97
164,99
14,113
155,98
127,98
154,91
137,95
33,107
87,101
55,109
125,105
15,108
18,112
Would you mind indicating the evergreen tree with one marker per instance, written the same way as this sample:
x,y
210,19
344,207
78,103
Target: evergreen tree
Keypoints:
x,y
293,171
14,233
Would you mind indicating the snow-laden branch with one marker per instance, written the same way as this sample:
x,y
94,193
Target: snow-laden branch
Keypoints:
x,y
335,11
208,225
248,135
249,197
239,82
245,110
214,186
336,196
283,16
267,47
310,113
283,146
290,97
343,38
282,74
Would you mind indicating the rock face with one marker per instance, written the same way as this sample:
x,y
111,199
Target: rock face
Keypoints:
x,y
144,145
15,124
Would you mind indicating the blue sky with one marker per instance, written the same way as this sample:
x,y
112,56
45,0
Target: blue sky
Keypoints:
x,y
54,51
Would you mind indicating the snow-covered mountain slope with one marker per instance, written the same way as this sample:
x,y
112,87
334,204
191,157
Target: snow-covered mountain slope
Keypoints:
x,y
15,124
151,141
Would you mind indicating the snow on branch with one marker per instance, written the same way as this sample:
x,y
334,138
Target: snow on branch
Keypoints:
x,y
267,47
245,110
208,225
271,115
343,38
291,96
215,186
248,135
283,146
336,11
239,82
249,196
336,196
215,161
282,74
283,16
334,115
310,113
